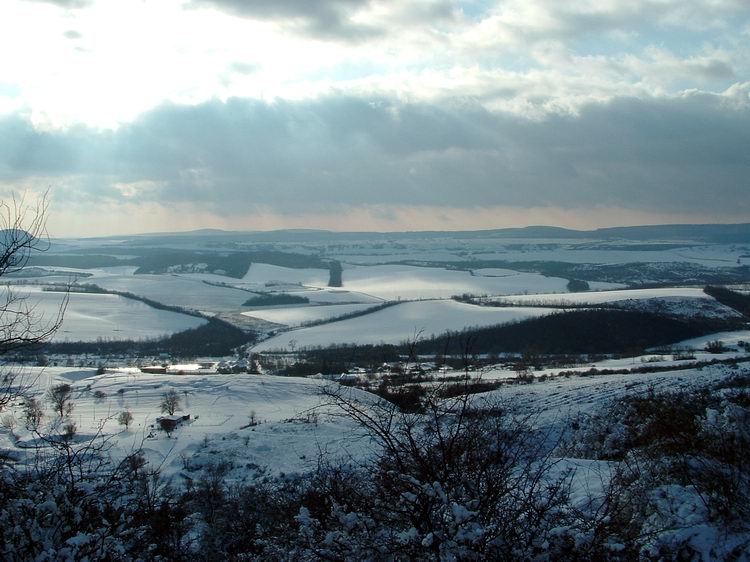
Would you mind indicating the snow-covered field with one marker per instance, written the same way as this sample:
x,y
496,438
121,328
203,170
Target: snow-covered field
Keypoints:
x,y
186,290
291,431
601,297
680,361
727,338
509,273
394,282
265,274
614,253
689,307
374,257
272,425
287,439
297,315
289,436
89,317
178,291
557,399
401,322
334,296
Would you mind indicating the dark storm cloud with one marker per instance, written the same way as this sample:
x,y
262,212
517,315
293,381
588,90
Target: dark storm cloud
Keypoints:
x,y
321,18
686,154
25,151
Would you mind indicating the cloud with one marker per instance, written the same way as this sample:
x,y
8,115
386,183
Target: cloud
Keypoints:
x,y
72,34
66,3
551,18
351,21
322,18
685,154
531,57
243,68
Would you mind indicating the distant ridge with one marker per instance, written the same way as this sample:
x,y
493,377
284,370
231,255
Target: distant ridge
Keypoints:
x,y
720,233
707,233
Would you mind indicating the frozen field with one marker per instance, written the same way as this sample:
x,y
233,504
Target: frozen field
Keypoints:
x,y
288,438
655,360
185,290
264,274
401,322
178,291
297,315
390,255
335,296
65,275
508,273
600,297
555,400
89,317
220,406
576,252
392,282
727,338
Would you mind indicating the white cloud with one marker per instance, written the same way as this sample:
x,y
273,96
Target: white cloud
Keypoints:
x,y
520,56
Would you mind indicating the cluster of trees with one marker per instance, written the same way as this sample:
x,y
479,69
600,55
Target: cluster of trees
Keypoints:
x,y
598,331
350,315
733,299
271,299
335,274
580,331
214,338
637,274
160,260
577,285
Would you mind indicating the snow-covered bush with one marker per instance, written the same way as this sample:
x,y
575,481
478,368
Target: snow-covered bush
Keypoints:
x,y
680,486
462,481
74,504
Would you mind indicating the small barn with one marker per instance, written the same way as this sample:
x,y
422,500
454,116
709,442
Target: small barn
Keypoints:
x,y
170,423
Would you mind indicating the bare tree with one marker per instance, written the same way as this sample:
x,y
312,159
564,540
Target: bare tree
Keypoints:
x,y
61,398
22,233
125,418
33,413
170,401
69,430
10,423
75,474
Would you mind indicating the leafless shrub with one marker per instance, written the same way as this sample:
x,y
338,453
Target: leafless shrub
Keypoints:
x,y
10,423
60,397
33,413
463,479
125,418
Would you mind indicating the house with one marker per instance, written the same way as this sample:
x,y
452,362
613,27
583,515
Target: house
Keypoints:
x,y
228,367
154,369
170,423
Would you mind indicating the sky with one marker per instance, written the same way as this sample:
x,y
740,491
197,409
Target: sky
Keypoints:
x,y
170,115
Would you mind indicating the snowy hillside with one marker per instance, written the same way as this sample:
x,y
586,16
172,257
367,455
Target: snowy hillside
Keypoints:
x,y
289,435
401,322
91,316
